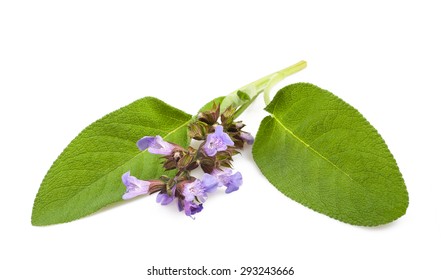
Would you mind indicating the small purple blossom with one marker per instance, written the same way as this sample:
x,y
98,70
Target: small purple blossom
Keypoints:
x,y
217,141
247,137
228,179
155,145
210,182
134,186
164,199
193,190
190,208
200,188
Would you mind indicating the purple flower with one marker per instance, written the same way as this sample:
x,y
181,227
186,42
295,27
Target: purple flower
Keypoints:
x,y
134,186
163,198
193,190
228,179
210,182
247,137
190,208
199,188
217,141
155,145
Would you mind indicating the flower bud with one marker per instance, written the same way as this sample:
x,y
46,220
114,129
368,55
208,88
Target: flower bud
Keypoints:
x,y
227,116
185,161
197,130
247,137
210,117
208,164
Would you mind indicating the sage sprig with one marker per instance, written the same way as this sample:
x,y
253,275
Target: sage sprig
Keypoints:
x,y
314,148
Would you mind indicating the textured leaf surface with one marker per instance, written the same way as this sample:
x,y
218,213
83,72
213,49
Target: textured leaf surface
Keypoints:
x,y
87,174
321,152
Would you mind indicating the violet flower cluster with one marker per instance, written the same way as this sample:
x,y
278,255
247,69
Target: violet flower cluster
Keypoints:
x,y
220,142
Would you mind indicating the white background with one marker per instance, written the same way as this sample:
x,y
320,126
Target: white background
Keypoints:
x,y
64,64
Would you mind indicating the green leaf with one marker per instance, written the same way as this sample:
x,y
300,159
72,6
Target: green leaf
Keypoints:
x,y
87,175
321,152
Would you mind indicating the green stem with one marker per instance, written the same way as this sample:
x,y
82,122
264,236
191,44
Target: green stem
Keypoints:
x,y
255,88
244,107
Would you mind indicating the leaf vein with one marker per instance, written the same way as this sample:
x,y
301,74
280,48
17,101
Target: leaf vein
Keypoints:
x,y
311,148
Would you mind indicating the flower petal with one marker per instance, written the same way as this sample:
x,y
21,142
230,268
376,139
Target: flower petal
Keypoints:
x,y
228,179
134,186
209,148
224,137
192,208
164,198
155,145
194,189
210,182
234,182
217,141
247,137
145,142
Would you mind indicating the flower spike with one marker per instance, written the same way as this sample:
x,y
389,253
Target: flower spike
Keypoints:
x,y
220,142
